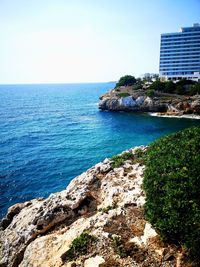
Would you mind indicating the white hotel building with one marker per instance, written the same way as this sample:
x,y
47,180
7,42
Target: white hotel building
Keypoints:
x,y
180,54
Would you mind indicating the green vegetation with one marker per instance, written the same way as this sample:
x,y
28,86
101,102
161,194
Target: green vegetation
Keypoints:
x,y
137,86
123,94
157,86
79,246
138,157
126,80
184,82
180,90
194,89
118,246
150,93
110,207
170,87
182,87
172,186
118,160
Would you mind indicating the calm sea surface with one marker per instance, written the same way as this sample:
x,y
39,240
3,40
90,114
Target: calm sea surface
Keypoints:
x,y
50,133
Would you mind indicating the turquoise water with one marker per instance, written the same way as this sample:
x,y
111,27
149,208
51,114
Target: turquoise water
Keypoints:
x,y
51,133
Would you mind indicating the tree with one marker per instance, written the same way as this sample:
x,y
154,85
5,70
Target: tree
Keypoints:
x,y
169,87
157,86
180,90
184,82
126,80
194,89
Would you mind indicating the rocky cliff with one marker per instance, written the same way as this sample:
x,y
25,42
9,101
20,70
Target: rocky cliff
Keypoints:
x,y
127,99
97,221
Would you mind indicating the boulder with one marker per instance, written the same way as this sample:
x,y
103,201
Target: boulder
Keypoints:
x,y
94,261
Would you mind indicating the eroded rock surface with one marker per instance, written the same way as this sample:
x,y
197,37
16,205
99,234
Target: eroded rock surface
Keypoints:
x,y
138,101
107,202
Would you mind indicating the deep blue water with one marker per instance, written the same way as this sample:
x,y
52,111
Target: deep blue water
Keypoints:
x,y
51,133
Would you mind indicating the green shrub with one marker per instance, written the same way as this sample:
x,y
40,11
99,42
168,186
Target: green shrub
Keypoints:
x,y
118,160
194,89
118,246
137,86
138,157
126,80
172,186
149,93
157,86
169,87
79,246
123,94
180,90
184,82
109,207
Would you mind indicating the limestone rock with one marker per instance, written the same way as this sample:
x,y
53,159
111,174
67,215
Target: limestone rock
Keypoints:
x,y
103,201
161,102
127,102
94,261
195,106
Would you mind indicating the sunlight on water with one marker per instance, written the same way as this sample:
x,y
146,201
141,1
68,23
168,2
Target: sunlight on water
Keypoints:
x,y
51,133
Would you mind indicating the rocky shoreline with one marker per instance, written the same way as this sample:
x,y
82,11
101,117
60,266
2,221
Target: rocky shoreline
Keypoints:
x,y
127,99
105,201
174,115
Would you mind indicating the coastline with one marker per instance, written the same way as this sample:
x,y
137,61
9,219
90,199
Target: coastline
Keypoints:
x,y
125,98
97,203
184,116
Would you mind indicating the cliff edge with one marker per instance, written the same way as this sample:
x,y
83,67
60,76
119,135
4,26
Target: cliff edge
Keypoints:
x,y
124,98
97,221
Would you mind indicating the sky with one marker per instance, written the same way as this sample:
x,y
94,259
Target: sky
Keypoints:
x,y
65,41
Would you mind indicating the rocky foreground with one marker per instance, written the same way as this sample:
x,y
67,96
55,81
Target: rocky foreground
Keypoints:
x,y
105,201
124,98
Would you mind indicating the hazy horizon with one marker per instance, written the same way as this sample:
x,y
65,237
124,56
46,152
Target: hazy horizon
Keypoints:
x,y
87,41
33,83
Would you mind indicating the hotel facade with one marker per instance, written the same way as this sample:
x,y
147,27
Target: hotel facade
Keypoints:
x,y
180,54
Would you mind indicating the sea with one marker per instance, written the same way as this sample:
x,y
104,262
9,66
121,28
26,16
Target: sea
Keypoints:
x,y
50,133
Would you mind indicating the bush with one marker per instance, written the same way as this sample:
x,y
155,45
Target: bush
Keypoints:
x,y
110,207
118,246
180,90
126,80
184,82
123,94
157,86
137,86
172,186
118,160
194,89
169,87
79,246
149,93
138,157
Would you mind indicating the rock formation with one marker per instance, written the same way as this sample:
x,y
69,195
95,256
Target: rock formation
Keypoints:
x,y
138,101
105,201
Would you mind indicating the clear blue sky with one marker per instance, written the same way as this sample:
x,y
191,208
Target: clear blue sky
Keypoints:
x,y
86,40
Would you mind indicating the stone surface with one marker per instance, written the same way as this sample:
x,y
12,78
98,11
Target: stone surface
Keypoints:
x,y
104,201
161,102
94,262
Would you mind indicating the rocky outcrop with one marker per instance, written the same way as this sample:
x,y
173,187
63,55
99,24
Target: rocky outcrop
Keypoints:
x,y
105,201
138,101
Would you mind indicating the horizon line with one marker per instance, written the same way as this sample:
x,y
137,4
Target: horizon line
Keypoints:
x,y
40,83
